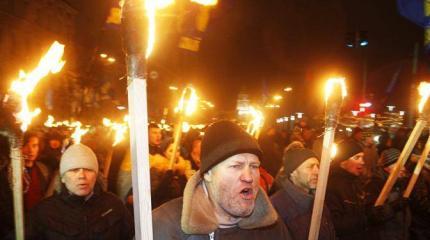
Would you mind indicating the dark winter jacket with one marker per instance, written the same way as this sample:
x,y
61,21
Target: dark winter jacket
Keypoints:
x,y
397,219
66,216
346,200
295,208
420,207
7,225
192,217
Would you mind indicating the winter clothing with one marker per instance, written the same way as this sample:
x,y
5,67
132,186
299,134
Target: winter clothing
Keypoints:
x,y
78,156
295,157
67,216
295,208
420,207
36,180
347,149
192,217
222,140
7,226
388,157
346,200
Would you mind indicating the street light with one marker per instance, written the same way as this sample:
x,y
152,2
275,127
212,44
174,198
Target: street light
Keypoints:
x,y
103,55
288,89
277,97
111,59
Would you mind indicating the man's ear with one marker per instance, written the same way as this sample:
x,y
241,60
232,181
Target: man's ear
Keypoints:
x,y
208,176
62,179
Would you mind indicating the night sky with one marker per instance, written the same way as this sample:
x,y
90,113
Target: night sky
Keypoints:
x,y
261,46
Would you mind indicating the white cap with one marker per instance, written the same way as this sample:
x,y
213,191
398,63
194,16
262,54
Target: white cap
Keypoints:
x,y
78,156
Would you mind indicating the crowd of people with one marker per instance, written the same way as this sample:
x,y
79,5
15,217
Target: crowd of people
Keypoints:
x,y
221,183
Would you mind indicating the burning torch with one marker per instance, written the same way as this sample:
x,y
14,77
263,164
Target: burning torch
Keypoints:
x,y
424,110
21,88
187,105
335,91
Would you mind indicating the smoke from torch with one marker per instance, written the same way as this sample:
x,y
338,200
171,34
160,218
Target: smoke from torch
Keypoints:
x,y
50,63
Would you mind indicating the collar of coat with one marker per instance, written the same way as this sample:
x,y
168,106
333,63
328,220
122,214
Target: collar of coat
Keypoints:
x,y
302,199
198,215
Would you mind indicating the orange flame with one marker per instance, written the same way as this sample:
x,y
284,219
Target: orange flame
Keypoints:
x,y
151,7
79,132
119,128
206,2
257,121
424,91
330,86
25,84
188,106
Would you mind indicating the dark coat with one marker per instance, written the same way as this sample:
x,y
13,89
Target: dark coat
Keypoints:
x,y
295,208
66,216
420,207
346,200
192,218
7,225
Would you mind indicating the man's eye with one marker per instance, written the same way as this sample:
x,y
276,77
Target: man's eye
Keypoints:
x,y
255,166
235,166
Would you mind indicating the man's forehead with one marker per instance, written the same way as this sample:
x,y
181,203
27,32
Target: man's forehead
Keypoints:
x,y
243,157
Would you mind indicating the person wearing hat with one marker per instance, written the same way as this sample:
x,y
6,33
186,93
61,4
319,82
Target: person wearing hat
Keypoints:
x,y
294,201
223,199
397,225
82,210
349,201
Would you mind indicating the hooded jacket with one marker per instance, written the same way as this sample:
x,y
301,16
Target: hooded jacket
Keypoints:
x,y
295,208
193,218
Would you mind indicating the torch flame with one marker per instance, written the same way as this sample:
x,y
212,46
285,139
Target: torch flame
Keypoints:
x,y
25,84
206,2
257,121
424,90
119,128
79,132
330,86
151,7
188,106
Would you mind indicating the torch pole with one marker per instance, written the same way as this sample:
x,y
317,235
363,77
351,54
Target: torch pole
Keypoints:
x,y
108,163
134,32
176,139
332,111
417,170
17,166
413,138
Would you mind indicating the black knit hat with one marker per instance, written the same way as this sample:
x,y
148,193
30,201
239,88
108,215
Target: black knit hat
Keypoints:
x,y
388,157
293,158
347,149
224,139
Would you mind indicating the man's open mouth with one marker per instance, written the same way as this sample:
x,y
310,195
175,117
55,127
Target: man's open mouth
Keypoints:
x,y
247,193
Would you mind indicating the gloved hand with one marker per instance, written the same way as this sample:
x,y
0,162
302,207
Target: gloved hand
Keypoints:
x,y
380,214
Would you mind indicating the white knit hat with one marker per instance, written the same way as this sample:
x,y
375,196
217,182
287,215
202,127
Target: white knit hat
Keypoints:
x,y
78,156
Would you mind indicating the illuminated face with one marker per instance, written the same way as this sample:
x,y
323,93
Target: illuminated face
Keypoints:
x,y
31,151
403,172
80,181
233,185
306,175
155,136
354,164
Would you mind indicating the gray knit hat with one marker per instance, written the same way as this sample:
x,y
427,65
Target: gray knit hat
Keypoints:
x,y
78,156
388,157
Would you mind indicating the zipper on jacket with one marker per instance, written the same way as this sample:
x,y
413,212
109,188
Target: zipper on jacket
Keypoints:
x,y
212,236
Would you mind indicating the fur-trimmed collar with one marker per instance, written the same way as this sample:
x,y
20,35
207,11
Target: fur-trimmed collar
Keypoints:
x,y
198,215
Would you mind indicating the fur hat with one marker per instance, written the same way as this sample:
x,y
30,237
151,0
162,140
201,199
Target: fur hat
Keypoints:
x,y
293,158
224,139
347,149
78,156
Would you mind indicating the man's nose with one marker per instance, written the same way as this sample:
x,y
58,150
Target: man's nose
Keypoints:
x,y
246,175
81,173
